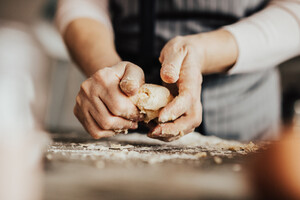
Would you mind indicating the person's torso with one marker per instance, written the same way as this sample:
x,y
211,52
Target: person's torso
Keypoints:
x,y
175,17
228,100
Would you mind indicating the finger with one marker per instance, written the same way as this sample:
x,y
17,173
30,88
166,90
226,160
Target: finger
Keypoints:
x,y
95,131
132,79
107,121
118,103
90,125
180,127
189,86
110,93
171,60
172,129
168,138
177,107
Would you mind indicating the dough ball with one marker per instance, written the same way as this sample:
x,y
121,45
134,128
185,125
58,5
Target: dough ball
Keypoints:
x,y
150,99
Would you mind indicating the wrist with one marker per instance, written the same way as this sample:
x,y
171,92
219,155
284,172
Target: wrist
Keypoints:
x,y
104,59
91,45
219,51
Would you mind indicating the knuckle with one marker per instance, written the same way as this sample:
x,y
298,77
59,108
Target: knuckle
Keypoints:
x,y
175,47
138,70
178,38
182,49
125,62
104,77
100,75
186,48
177,42
78,100
180,45
85,87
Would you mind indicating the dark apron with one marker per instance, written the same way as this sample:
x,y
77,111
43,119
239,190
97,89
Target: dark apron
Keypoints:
x,y
244,106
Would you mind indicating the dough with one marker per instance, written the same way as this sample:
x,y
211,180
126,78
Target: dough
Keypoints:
x,y
150,99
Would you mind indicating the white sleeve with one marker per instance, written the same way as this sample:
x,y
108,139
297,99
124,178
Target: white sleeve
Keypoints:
x,y
69,10
268,37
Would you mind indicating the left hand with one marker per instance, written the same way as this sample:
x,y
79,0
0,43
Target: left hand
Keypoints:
x,y
182,59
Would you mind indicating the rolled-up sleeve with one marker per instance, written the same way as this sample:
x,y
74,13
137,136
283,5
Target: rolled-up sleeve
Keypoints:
x,y
268,37
69,10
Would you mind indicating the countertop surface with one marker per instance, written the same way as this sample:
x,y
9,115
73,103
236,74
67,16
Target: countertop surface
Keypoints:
x,y
134,166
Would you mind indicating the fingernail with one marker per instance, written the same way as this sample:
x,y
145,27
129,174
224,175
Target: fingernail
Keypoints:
x,y
129,86
170,74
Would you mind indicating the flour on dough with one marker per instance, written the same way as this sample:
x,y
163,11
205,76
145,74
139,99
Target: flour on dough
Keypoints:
x,y
150,99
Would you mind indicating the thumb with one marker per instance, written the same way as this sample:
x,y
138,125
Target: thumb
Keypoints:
x,y
171,60
132,79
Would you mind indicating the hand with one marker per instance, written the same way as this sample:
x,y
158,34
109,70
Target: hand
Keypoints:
x,y
102,104
182,60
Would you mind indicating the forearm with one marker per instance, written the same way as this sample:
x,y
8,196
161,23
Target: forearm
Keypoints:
x,y
217,49
268,37
260,41
91,45
220,51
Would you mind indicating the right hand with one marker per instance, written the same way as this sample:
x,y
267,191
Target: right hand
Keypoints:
x,y
103,104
